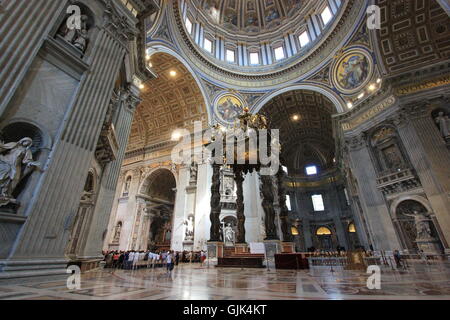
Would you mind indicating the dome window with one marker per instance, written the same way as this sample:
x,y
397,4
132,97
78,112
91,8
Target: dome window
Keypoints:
x,y
231,56
254,58
326,15
279,53
188,26
207,45
304,39
311,170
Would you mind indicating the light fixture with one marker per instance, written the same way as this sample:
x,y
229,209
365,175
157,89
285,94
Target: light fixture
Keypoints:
x,y
173,73
150,65
349,105
176,135
378,80
361,95
372,87
296,117
147,57
141,86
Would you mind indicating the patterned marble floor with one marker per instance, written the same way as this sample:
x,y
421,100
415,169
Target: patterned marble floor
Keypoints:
x,y
192,282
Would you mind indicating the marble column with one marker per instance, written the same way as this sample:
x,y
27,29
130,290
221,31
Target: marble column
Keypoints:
x,y
376,210
105,201
43,238
179,214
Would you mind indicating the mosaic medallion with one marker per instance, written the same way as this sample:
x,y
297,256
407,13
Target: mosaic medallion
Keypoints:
x,y
228,108
352,71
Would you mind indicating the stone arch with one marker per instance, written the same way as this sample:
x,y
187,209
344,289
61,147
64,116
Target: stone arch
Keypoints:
x,y
148,177
417,198
332,96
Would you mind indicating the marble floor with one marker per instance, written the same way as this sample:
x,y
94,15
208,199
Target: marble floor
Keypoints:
x,y
193,282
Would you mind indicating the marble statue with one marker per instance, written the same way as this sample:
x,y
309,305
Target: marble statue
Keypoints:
x,y
81,41
194,172
444,123
422,222
117,233
229,234
189,233
77,37
16,162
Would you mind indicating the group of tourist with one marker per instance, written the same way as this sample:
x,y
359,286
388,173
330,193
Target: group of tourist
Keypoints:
x,y
132,260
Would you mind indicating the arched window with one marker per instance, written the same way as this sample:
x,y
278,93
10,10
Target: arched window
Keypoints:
x,y
351,228
323,231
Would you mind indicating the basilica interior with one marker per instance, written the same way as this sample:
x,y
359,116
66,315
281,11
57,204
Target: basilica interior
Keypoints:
x,y
115,118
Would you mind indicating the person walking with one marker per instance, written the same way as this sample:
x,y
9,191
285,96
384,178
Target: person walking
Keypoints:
x,y
170,263
130,260
136,260
398,259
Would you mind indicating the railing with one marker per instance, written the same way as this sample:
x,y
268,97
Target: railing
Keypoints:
x,y
398,181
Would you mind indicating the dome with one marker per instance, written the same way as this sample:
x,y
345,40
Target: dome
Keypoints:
x,y
256,34
251,17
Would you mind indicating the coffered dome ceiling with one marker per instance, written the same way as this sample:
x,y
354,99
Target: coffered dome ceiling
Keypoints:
x,y
252,17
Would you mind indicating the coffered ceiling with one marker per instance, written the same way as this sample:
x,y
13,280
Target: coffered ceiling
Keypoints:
x,y
171,101
414,34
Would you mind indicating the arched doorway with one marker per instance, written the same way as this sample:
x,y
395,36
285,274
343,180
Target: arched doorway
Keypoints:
x,y
324,236
159,192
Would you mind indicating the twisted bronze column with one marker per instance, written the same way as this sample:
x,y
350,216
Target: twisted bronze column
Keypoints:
x,y
239,178
215,205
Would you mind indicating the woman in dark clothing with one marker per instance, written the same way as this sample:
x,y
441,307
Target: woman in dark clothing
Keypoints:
x,y
121,258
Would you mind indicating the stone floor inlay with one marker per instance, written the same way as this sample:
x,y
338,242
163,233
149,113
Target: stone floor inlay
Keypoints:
x,y
190,282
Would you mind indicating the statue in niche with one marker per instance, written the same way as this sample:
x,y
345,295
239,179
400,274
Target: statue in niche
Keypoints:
x,y
444,123
126,189
16,162
229,234
77,37
194,172
422,222
189,233
117,232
